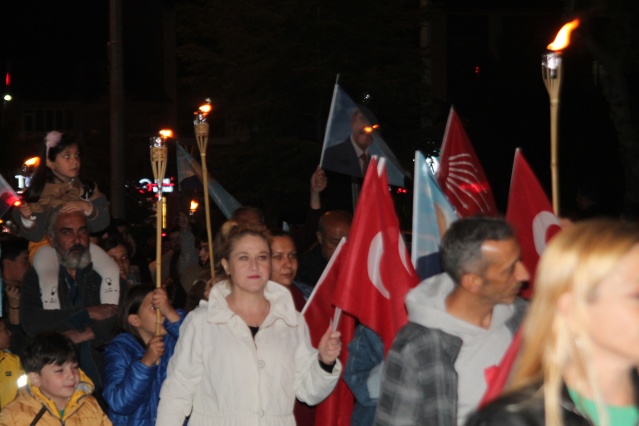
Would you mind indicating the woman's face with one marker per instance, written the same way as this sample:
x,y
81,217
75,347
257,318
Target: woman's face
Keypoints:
x,y
283,260
249,264
613,316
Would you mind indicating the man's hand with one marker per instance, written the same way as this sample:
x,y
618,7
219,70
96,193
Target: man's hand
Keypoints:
x,y
102,312
318,184
318,180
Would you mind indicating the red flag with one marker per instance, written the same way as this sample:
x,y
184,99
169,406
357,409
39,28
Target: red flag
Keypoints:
x,y
377,271
460,175
337,408
498,375
531,214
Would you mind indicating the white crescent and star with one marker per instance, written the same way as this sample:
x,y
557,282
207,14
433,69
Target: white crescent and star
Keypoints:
x,y
375,253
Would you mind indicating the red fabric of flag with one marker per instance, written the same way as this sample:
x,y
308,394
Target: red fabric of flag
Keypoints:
x,y
531,214
460,175
337,408
376,272
497,376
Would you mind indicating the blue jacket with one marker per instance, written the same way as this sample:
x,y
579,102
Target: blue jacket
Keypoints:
x,y
131,389
365,352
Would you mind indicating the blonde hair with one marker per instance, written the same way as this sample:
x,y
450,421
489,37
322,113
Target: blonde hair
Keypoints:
x,y
575,261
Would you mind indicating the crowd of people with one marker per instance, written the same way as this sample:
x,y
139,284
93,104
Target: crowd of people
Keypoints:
x,y
223,342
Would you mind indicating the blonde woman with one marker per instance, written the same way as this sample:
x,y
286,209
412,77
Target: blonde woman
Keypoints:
x,y
581,336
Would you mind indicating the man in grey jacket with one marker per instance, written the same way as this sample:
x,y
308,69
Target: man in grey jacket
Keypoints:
x,y
460,323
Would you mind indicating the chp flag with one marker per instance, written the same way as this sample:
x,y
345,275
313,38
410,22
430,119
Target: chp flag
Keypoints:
x,y
460,175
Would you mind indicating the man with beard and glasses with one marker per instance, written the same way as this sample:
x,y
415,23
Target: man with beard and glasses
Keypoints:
x,y
74,307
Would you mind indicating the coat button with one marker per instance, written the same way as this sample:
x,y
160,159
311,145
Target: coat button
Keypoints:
x,y
260,413
261,364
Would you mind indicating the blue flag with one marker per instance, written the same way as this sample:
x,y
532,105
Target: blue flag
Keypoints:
x,y
350,124
188,169
432,215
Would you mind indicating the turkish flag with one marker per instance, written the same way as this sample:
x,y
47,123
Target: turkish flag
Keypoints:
x,y
531,214
376,272
460,175
337,408
497,376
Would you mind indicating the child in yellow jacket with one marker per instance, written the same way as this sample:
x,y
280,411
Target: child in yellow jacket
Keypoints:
x,y
10,367
58,392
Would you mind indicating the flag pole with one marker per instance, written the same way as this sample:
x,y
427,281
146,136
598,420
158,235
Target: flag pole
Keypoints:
x,y
158,164
201,128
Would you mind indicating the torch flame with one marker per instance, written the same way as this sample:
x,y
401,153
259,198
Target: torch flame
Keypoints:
x,y
563,36
205,108
166,133
33,161
194,205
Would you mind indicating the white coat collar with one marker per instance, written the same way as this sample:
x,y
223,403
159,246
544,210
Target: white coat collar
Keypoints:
x,y
282,306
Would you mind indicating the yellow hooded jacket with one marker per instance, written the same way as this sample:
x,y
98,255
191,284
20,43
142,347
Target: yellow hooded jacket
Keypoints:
x,y
10,372
31,407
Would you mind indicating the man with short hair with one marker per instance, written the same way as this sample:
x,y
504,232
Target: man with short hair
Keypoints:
x,y
74,307
331,228
248,215
460,323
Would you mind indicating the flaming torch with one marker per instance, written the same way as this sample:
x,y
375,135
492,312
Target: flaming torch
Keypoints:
x,y
158,163
193,207
551,72
202,136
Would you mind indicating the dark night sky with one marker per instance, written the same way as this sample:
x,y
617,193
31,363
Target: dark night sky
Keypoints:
x,y
60,49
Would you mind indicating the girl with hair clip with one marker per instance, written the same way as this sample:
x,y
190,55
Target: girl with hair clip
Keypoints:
x,y
580,351
135,361
56,185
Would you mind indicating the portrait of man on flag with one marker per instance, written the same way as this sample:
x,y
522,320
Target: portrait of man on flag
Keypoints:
x,y
352,137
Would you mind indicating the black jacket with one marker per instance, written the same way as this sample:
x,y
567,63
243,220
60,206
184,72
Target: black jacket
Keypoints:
x,y
526,408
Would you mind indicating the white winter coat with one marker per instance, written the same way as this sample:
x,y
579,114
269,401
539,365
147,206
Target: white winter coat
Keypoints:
x,y
221,376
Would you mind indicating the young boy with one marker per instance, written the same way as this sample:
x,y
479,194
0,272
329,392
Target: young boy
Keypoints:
x,y
58,391
10,368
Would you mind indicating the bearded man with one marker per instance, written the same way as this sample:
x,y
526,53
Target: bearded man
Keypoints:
x,y
73,307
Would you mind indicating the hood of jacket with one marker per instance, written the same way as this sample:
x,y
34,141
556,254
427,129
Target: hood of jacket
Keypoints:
x,y
426,305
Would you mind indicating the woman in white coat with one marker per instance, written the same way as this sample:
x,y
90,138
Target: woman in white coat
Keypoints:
x,y
244,356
